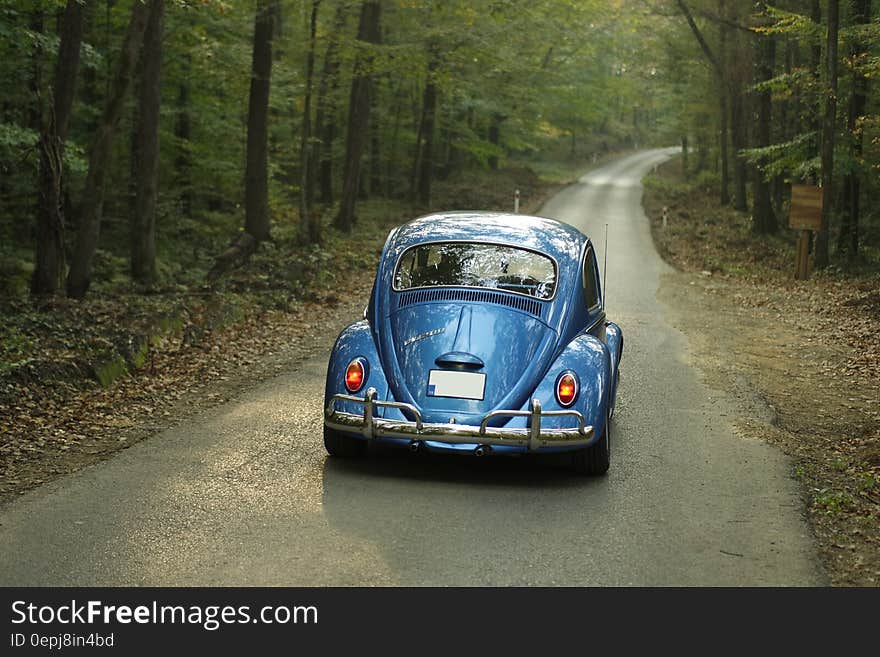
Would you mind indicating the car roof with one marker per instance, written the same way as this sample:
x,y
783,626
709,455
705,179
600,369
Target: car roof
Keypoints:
x,y
555,238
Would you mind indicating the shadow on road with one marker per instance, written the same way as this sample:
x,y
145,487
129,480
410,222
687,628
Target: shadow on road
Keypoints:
x,y
437,519
397,464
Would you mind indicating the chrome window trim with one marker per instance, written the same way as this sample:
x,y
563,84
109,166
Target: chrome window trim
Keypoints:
x,y
600,294
601,318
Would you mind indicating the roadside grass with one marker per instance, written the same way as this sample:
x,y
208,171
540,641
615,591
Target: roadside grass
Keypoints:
x,y
832,502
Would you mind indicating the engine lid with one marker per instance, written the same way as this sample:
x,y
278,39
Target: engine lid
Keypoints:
x,y
461,360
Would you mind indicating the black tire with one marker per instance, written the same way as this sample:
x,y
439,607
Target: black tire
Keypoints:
x,y
595,460
338,444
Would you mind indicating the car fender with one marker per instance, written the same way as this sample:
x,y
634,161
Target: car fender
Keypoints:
x,y
614,342
591,361
356,340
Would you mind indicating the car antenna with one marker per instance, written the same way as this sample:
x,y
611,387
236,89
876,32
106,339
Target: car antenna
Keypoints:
x,y
605,267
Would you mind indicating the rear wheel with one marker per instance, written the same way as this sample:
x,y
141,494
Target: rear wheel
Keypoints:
x,y
338,444
596,459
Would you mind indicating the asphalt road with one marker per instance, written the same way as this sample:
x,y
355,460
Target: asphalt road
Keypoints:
x,y
244,495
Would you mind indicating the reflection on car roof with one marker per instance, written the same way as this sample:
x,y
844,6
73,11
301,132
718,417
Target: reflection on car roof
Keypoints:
x,y
556,238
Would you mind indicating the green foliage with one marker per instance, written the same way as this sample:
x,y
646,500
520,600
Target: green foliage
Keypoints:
x,y
574,77
795,159
479,149
832,502
867,483
17,346
16,139
791,24
108,372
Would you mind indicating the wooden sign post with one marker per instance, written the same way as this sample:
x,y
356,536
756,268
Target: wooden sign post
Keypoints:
x,y
805,215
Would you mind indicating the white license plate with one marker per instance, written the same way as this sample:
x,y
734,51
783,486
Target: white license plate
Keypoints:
x,y
460,385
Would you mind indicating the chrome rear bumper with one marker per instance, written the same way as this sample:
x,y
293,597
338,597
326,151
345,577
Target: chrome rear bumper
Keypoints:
x,y
532,437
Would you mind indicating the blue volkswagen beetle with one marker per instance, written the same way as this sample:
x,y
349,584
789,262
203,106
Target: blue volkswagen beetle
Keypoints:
x,y
485,333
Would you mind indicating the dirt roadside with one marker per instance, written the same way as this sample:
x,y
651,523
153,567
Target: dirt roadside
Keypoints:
x,y
800,359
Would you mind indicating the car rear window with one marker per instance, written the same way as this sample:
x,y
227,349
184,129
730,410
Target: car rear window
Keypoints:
x,y
474,264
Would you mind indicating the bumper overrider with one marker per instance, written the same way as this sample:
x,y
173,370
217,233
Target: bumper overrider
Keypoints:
x,y
533,437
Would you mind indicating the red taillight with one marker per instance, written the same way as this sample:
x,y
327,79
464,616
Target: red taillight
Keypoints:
x,y
354,375
566,389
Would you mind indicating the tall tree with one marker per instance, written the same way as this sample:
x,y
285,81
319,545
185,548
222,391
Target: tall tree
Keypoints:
x,y
723,88
183,134
267,17
828,128
427,129
50,259
375,158
369,32
494,137
310,224
848,240
735,66
91,209
763,217
256,170
143,225
325,112
815,113
35,109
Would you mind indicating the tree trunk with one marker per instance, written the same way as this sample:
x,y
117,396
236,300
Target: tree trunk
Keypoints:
x,y
719,66
785,129
739,142
35,102
50,258
358,114
392,174
494,139
724,151
89,227
256,177
35,107
429,102
738,112
143,229
816,67
242,248
763,217
310,225
183,132
417,157
375,187
821,254
325,113
444,160
848,240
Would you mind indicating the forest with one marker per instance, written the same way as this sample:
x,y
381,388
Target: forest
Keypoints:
x,y
194,195
139,139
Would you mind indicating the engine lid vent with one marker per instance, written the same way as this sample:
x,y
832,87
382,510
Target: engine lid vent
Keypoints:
x,y
526,304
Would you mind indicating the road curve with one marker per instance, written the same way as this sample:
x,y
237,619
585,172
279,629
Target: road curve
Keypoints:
x,y
244,495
